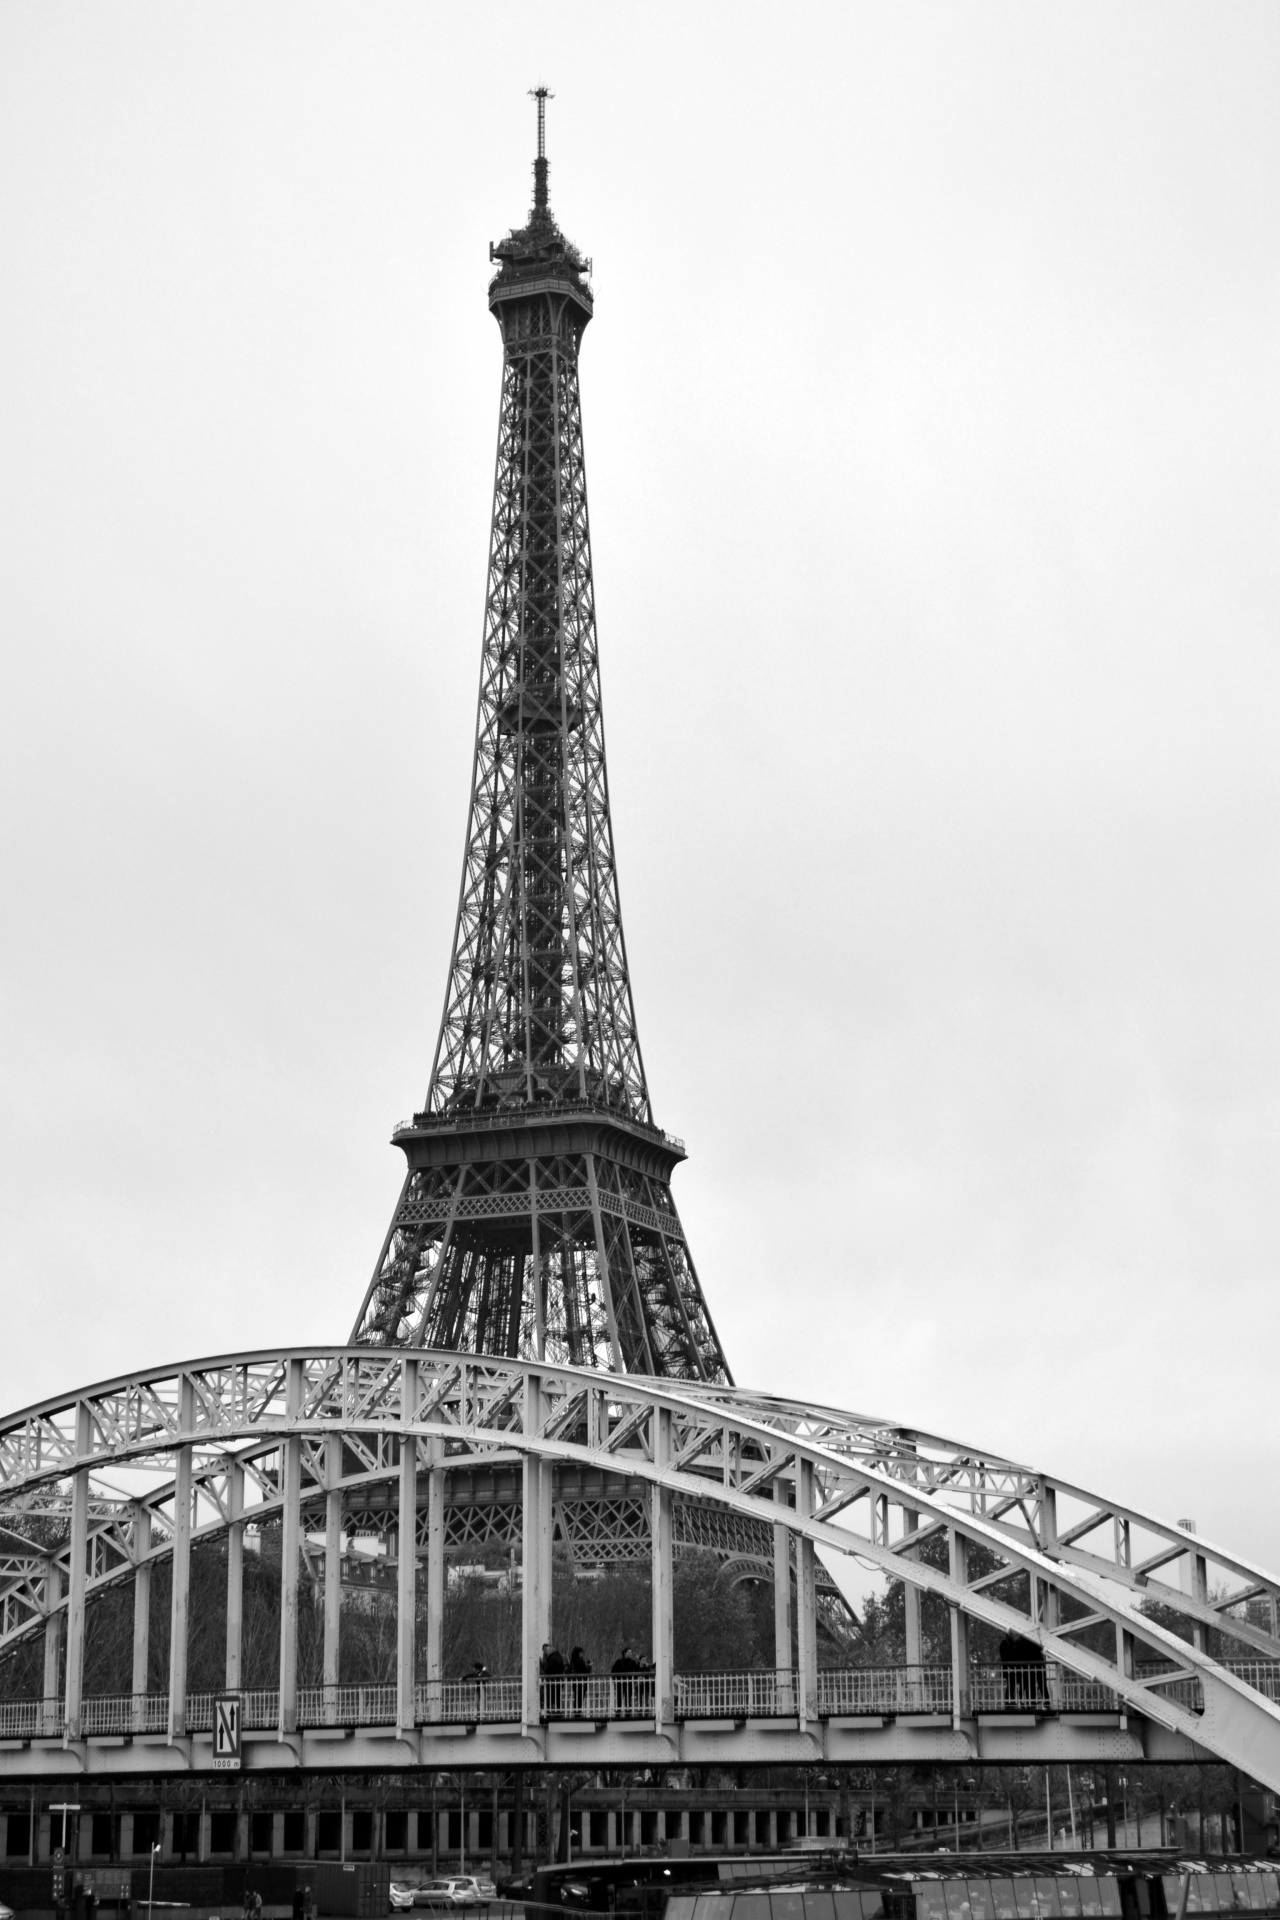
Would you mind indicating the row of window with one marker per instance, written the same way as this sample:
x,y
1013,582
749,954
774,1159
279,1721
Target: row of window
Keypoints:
x,y
405,1830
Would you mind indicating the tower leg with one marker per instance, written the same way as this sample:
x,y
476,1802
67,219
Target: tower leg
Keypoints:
x,y
332,1574
435,1575
290,1539
806,1603
536,1556
958,1556
911,1600
782,1656
79,1571
52,1646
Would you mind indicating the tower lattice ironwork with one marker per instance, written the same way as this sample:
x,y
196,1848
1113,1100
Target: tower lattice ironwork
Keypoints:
x,y
536,1217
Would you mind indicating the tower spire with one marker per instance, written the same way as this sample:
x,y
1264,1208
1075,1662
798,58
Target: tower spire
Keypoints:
x,y
536,1216
541,95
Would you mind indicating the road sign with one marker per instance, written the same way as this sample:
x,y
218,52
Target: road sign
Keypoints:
x,y
226,1733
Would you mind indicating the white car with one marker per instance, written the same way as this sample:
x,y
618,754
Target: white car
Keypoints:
x,y
401,1895
458,1890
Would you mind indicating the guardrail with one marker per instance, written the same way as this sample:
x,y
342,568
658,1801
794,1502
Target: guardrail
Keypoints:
x,y
745,1694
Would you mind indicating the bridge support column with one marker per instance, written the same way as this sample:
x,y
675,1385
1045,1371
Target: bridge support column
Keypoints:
x,y
235,1574
806,1603
74,1684
407,1551
782,1586
141,1616
435,1573
52,1646
290,1540
181,1588
911,1598
332,1573
661,1578
958,1563
536,1554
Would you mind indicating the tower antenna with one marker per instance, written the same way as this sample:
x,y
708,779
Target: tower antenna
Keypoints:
x,y
541,95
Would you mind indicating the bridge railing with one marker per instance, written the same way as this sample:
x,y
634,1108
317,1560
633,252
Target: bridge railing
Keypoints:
x,y
745,1694
857,1690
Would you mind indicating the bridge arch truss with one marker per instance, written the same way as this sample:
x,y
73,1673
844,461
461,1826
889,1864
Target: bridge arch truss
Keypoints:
x,y
98,1487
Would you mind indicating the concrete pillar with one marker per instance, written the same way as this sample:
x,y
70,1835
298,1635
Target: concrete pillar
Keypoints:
x,y
782,1582
661,1543
536,1554
290,1543
52,1647
332,1572
79,1570
141,1616
235,1575
911,1598
806,1602
407,1549
180,1595
958,1558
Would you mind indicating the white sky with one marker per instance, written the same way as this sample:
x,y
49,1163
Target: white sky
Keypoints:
x,y
932,409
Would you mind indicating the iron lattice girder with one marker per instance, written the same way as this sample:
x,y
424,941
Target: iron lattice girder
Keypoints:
x,y
241,1411
513,1242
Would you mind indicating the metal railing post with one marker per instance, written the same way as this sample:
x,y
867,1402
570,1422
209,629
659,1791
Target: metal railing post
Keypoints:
x,y
407,1549
782,1656
661,1579
181,1558
911,1598
290,1543
141,1617
52,1646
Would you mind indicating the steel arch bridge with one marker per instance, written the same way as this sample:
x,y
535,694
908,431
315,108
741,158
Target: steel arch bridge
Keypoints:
x,y
100,1486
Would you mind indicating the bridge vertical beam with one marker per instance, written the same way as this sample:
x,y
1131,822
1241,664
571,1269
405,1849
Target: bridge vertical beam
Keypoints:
x,y
781,1582
407,1549
74,1681
141,1616
806,1603
290,1542
661,1531
911,1598
1200,1592
235,1574
958,1564
180,1596
332,1573
52,1645
435,1571
536,1555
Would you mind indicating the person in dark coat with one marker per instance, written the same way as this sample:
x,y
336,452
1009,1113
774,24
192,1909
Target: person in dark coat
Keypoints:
x,y
624,1687
579,1668
551,1667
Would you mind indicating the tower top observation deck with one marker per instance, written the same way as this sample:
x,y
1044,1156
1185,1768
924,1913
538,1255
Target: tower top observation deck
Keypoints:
x,y
536,257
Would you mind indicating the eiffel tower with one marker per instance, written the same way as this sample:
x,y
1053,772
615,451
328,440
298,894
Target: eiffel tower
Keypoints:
x,y
536,1217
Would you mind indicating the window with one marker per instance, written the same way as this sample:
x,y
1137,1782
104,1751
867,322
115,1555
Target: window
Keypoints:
x,y
186,1832
599,1827
741,1829
295,1831
146,1831
695,1829
484,1829
455,1829
17,1842
329,1830
671,1824
822,1818
786,1825
361,1830
260,1825
222,1831
762,1827
719,1823
397,1831
424,1831
99,1833
648,1827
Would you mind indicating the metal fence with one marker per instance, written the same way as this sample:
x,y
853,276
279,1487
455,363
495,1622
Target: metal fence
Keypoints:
x,y
746,1694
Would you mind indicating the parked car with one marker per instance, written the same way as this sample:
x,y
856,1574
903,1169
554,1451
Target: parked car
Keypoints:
x,y
458,1890
401,1895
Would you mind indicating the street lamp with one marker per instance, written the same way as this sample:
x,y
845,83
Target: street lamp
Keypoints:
x,y
151,1886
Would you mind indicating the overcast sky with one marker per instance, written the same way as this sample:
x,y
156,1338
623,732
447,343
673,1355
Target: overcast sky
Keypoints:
x,y
932,410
